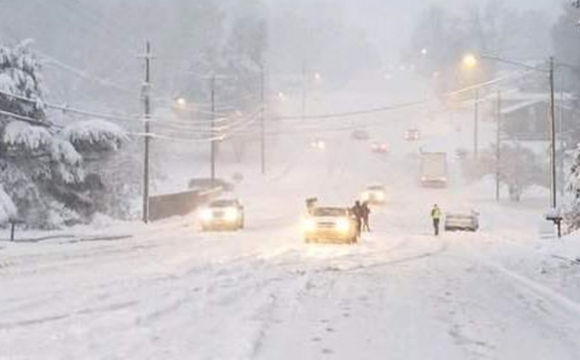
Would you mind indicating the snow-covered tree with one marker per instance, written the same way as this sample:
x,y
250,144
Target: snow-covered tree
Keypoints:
x,y
572,212
519,168
42,167
7,207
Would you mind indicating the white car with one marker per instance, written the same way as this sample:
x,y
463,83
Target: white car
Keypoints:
x,y
412,135
462,221
331,225
225,214
318,144
374,195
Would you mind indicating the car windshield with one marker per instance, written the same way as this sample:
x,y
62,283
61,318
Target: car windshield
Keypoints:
x,y
376,188
223,203
330,212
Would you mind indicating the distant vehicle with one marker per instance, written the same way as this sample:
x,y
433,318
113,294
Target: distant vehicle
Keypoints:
x,y
462,221
330,225
461,153
434,169
360,134
374,195
224,214
412,135
318,144
380,148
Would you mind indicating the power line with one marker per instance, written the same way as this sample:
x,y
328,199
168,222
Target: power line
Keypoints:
x,y
402,106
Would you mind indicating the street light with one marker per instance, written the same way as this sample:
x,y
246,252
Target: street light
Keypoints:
x,y
181,103
470,63
471,60
424,51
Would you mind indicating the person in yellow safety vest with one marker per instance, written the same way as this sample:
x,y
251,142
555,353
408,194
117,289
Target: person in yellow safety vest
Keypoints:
x,y
436,216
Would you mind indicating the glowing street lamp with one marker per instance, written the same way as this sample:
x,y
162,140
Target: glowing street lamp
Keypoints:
x,y
317,76
181,103
470,61
424,51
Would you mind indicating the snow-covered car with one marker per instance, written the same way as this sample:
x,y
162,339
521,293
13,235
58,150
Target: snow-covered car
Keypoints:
x,y
223,214
374,195
330,225
360,134
462,221
380,148
412,135
318,144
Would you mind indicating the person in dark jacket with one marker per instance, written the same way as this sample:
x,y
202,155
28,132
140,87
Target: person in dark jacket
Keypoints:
x,y
357,211
366,211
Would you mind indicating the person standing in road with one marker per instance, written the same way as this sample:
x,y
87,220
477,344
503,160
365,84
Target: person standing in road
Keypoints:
x,y
357,211
436,217
366,211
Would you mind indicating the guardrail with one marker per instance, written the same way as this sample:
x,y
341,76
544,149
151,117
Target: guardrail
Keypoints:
x,y
179,204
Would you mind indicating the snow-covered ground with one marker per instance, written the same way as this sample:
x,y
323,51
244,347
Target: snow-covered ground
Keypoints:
x,y
171,292
167,291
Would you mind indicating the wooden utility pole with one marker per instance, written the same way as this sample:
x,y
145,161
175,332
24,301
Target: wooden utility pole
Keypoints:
x,y
554,195
213,135
476,125
498,148
263,121
147,119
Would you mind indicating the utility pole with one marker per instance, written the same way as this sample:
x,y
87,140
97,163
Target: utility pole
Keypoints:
x,y
554,199
213,135
476,125
147,110
498,148
263,121
304,89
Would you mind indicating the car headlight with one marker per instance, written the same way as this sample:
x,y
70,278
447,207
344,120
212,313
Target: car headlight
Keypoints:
x,y
231,214
206,215
309,225
343,225
380,196
365,196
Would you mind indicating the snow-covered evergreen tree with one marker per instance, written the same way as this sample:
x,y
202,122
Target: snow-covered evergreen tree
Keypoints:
x,y
572,213
42,168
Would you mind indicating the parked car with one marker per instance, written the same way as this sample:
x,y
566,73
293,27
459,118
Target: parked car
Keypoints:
x,y
360,134
223,214
462,221
330,225
412,135
374,195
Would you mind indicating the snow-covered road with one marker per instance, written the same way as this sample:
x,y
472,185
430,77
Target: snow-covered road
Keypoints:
x,y
174,293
